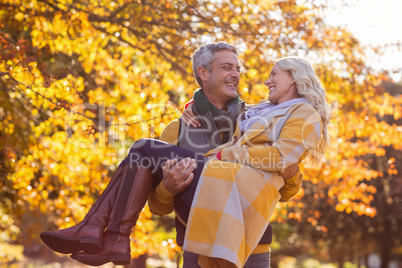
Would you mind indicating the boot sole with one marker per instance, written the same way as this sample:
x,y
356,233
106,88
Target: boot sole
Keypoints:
x,y
68,245
61,244
117,259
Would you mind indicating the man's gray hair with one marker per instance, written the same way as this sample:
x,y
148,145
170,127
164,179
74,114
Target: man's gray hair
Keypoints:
x,y
205,55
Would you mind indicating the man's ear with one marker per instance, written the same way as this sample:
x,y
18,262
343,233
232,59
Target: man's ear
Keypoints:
x,y
202,73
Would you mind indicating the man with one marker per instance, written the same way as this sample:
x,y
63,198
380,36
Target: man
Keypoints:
x,y
217,105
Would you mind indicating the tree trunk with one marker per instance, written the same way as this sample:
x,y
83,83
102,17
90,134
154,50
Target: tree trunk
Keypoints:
x,y
139,262
386,245
340,261
366,258
385,255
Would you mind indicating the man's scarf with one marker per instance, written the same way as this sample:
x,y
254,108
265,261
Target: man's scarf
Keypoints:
x,y
213,121
203,105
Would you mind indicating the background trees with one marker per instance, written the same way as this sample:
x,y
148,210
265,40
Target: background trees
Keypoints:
x,y
80,80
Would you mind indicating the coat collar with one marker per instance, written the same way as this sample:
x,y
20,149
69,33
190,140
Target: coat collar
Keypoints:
x,y
260,125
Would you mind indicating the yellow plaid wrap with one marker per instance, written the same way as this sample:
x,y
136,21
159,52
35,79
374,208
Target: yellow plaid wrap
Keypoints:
x,y
235,198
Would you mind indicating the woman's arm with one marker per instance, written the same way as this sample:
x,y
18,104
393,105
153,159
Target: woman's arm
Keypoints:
x,y
188,117
291,187
301,132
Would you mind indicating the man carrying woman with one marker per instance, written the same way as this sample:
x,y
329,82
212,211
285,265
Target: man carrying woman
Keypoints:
x,y
272,136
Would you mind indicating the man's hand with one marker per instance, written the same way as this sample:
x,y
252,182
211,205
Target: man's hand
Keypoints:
x,y
189,117
289,171
178,175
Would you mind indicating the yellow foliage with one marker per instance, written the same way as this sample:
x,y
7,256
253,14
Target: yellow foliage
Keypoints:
x,y
83,80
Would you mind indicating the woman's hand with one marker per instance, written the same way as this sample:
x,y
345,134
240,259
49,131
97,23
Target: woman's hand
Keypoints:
x,y
178,175
290,171
189,117
212,157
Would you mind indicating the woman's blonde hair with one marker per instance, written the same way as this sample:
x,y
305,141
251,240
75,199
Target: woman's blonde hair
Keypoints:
x,y
309,87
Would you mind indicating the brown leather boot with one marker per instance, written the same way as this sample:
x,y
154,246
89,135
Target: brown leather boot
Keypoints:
x,y
87,235
131,200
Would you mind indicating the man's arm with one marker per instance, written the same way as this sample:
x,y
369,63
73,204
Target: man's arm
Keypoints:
x,y
176,176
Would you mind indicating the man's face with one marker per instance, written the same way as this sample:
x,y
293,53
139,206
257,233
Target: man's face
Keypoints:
x,y
223,80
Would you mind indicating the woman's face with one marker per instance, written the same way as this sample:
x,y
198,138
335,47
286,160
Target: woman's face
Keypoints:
x,y
281,86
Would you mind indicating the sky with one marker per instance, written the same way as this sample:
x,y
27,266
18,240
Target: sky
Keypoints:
x,y
375,22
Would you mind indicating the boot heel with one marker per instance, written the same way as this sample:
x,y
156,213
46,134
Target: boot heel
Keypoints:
x,y
121,259
90,245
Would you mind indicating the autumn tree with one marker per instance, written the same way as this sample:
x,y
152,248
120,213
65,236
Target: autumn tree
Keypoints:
x,y
81,80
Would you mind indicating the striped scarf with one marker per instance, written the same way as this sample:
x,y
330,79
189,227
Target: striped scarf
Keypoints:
x,y
225,121
262,110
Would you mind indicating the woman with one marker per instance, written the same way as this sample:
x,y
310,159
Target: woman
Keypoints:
x,y
273,135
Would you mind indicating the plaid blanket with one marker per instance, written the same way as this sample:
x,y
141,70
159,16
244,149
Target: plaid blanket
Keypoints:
x,y
235,204
234,201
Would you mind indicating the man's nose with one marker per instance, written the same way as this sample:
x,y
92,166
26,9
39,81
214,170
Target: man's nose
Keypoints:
x,y
235,74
